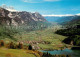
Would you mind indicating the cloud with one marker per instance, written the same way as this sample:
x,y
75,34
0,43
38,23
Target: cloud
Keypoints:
x,y
75,9
38,1
32,1
51,0
10,8
78,14
57,15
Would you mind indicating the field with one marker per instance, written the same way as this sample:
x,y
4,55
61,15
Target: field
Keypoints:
x,y
54,41
41,40
4,52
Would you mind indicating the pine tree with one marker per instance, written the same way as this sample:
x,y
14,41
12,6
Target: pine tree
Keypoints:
x,y
30,47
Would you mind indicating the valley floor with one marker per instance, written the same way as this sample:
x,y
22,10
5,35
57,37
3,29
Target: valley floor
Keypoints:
x,y
42,39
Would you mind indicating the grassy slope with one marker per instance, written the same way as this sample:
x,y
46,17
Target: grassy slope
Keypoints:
x,y
4,52
43,35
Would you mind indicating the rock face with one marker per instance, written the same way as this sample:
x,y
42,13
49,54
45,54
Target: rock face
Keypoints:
x,y
19,18
4,19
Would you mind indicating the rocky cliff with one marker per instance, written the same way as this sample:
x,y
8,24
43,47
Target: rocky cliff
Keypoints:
x,y
19,18
4,18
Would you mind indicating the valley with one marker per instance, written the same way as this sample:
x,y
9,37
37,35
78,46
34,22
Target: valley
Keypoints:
x,y
41,39
26,34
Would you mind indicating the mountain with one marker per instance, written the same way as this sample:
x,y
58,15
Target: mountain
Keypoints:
x,y
4,18
75,21
62,19
20,18
26,18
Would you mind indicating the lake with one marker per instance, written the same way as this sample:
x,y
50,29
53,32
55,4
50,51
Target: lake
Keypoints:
x,y
73,53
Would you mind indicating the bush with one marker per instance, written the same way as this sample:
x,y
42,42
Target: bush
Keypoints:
x,y
49,55
30,47
26,48
1,43
11,45
40,53
20,46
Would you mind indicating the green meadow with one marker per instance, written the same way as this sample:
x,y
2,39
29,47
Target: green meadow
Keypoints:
x,y
47,35
45,39
4,52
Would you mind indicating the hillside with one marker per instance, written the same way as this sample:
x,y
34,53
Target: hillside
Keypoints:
x,y
12,23
71,31
75,21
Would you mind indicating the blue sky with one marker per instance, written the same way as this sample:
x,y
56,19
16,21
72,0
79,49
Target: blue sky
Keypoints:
x,y
45,7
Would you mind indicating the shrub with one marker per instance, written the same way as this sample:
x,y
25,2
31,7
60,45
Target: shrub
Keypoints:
x,y
20,46
1,43
40,53
49,55
30,47
26,47
11,45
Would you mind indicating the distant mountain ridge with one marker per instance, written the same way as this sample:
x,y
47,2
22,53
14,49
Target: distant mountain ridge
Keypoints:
x,y
75,21
61,20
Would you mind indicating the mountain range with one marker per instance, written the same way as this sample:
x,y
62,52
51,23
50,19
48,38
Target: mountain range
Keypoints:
x,y
62,19
17,18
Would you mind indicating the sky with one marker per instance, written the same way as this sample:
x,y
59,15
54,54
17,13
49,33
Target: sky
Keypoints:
x,y
45,7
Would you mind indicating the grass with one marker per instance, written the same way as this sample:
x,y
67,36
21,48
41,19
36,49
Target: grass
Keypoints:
x,y
4,52
42,35
45,46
